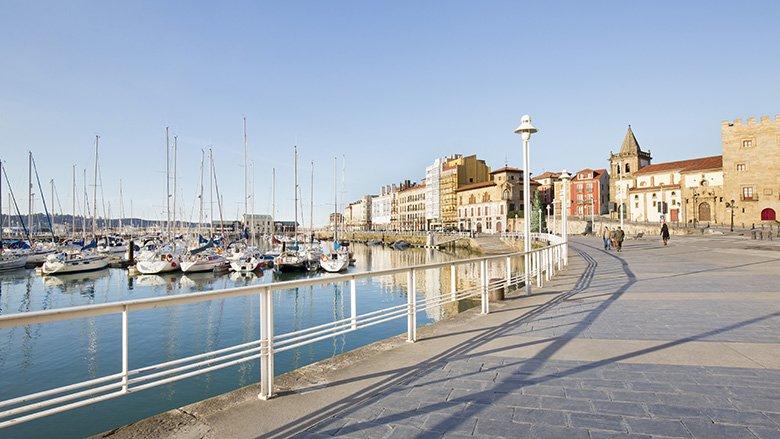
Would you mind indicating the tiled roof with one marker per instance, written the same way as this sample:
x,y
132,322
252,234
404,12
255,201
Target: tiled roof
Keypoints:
x,y
712,162
546,174
476,185
506,169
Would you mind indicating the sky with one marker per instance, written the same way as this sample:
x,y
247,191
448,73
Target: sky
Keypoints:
x,y
385,86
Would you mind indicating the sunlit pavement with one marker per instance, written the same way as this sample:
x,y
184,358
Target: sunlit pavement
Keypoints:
x,y
677,341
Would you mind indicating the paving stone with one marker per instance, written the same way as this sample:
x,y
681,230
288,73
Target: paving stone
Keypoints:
x,y
501,429
367,430
540,416
620,408
630,396
489,411
600,434
555,403
478,396
657,427
450,424
640,386
586,394
544,390
706,429
739,417
557,432
765,432
590,383
674,411
406,432
596,421
511,400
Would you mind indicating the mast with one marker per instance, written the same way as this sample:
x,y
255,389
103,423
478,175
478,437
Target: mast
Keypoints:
x,y
200,196
94,191
86,209
335,200
211,196
216,186
121,206
167,183
73,205
246,177
29,192
1,207
175,147
273,203
295,183
252,203
311,201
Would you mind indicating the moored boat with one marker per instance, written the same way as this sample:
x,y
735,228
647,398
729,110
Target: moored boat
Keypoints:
x,y
73,262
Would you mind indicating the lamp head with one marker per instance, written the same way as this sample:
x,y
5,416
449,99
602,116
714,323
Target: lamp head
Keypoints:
x,y
526,128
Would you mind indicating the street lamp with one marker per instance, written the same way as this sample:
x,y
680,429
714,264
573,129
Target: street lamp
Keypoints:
x,y
525,130
731,207
565,176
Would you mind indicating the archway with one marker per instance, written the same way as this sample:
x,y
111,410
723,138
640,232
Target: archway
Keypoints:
x,y
768,215
479,227
498,227
704,212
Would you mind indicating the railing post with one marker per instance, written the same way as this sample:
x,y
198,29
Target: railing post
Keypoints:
x,y
538,268
453,283
548,266
266,344
124,349
484,278
559,257
411,313
353,302
508,272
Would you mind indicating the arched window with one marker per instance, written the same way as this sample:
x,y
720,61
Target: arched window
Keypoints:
x,y
628,168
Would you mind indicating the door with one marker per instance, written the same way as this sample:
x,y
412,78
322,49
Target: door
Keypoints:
x,y
704,212
674,215
768,215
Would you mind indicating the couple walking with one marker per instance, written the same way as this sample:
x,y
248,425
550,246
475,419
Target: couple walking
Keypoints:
x,y
613,238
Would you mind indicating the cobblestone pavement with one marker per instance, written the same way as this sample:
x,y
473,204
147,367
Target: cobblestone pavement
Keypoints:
x,y
655,326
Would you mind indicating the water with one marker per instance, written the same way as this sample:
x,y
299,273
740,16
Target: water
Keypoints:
x,y
39,357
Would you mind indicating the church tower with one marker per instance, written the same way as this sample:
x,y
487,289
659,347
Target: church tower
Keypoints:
x,y
622,167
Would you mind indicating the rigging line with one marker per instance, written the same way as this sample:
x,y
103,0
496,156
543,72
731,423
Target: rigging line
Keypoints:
x,y
43,199
18,212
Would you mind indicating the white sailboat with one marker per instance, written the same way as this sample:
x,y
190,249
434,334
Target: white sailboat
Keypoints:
x,y
338,259
291,258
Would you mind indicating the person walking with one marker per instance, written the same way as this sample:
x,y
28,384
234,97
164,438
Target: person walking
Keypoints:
x,y
665,233
619,236
606,238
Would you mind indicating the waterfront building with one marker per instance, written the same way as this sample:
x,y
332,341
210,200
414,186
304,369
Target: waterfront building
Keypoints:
x,y
589,191
433,194
630,159
357,215
458,171
411,206
261,222
227,226
546,186
335,219
285,226
751,169
492,206
679,191
382,208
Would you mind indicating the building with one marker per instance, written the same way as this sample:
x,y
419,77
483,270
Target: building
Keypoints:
x,y
433,194
622,166
546,186
456,172
285,226
382,208
357,215
589,192
335,219
261,222
679,191
751,169
491,206
411,207
226,226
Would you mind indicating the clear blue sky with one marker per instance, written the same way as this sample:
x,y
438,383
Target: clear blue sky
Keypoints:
x,y
390,85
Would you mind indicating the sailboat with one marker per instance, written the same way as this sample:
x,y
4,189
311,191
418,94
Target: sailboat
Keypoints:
x,y
202,259
291,258
8,261
338,259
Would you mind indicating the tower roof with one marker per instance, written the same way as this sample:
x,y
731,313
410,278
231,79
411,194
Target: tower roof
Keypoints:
x,y
630,145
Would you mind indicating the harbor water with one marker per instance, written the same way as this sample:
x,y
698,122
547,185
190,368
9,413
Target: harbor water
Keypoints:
x,y
43,356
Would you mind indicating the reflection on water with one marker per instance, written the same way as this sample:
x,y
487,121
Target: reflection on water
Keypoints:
x,y
38,357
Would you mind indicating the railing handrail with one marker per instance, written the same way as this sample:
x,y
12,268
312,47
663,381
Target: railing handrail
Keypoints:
x,y
93,310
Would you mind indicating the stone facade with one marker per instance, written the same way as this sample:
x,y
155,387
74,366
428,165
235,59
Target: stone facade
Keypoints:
x,y
457,172
487,207
622,167
411,207
546,186
751,169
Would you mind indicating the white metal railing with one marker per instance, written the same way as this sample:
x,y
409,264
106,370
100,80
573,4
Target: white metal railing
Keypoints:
x,y
544,262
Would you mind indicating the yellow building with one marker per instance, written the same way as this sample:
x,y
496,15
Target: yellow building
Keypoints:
x,y
457,172
751,170
490,206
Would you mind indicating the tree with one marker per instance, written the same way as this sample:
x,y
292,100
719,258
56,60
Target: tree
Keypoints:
x,y
536,217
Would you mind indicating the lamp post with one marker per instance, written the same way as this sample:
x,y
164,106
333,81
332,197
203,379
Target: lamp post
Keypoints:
x,y
525,130
565,176
731,207
547,223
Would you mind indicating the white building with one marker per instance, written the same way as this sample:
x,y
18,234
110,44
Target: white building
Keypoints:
x,y
262,223
432,193
382,207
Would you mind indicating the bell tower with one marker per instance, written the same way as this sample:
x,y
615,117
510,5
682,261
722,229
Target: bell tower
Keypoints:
x,y
622,167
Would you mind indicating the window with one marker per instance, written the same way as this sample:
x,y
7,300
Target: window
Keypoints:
x,y
628,168
487,210
747,193
747,143
579,187
741,167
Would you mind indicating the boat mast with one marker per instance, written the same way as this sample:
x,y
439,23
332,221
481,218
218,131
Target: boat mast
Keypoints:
x,y
1,206
73,206
216,186
200,196
335,201
167,183
94,191
175,149
86,208
246,177
295,183
252,203
121,206
273,204
211,190
29,192
311,201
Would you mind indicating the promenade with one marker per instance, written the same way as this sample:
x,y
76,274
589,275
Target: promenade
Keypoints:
x,y
678,341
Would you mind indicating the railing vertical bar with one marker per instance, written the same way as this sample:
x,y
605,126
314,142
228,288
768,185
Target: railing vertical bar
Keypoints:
x,y
353,302
125,342
508,272
453,282
411,313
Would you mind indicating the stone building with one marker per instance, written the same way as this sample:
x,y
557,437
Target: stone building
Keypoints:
x,y
751,169
490,206
622,167
411,207
681,191
457,172
357,215
382,208
546,186
261,222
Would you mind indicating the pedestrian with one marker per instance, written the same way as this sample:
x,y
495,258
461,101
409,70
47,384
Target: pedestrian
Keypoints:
x,y
619,236
613,238
606,238
665,233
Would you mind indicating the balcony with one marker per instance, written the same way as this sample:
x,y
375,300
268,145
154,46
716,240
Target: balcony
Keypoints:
x,y
744,197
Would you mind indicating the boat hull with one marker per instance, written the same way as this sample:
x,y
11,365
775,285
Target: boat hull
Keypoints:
x,y
156,267
200,266
73,266
12,263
